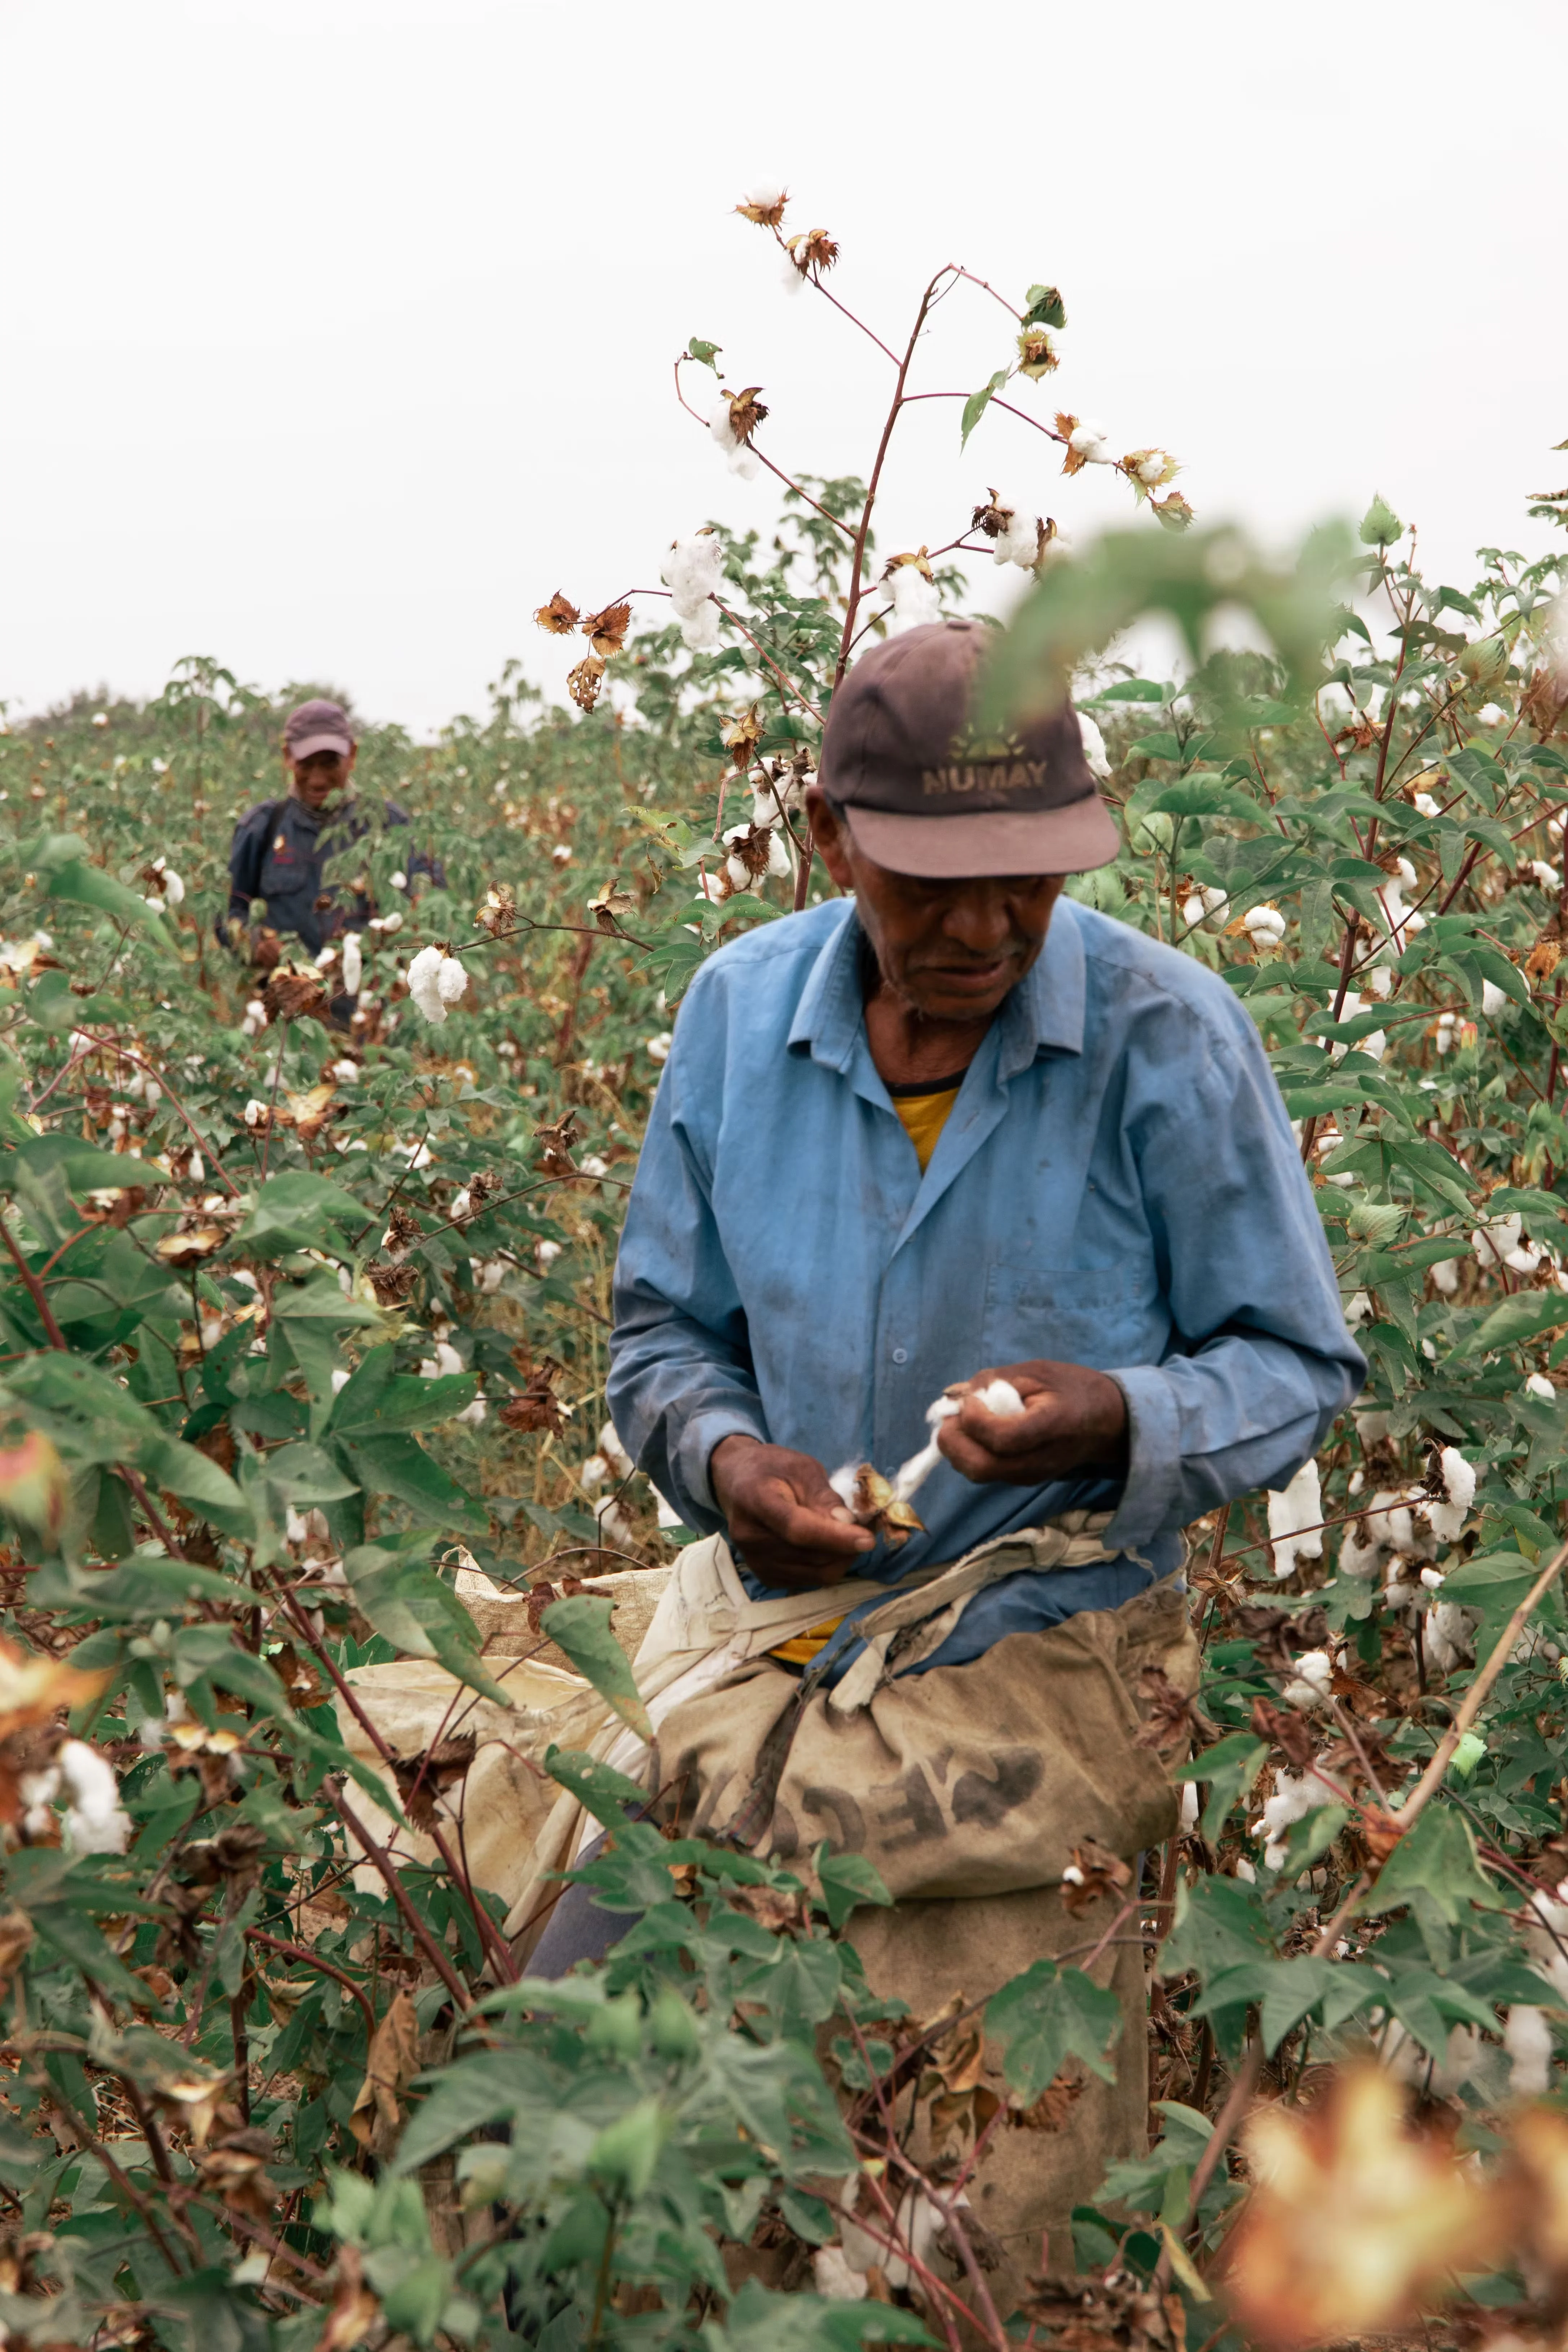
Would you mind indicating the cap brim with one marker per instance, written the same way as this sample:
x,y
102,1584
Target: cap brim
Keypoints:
x,y
1070,840
341,743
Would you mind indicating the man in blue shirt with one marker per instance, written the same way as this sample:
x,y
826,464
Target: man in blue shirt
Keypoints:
x,y
1114,1216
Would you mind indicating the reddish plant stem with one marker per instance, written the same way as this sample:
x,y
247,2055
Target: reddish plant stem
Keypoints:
x,y
381,1861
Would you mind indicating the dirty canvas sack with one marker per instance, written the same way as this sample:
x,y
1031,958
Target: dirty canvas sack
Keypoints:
x,y
962,1781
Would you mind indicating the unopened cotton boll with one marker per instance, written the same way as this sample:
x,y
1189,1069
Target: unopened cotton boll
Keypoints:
x,y
1094,751
95,1822
1295,1520
354,964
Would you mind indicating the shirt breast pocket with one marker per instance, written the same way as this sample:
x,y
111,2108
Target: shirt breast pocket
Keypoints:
x,y
1072,1314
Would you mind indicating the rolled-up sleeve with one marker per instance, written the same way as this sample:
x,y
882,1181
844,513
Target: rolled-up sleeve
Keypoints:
x,y
681,1375
1264,1360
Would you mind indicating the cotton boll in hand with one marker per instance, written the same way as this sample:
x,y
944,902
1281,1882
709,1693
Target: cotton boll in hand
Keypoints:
x,y
1295,1520
913,1475
1001,1398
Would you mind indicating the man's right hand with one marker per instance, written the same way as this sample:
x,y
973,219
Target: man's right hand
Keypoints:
x,y
782,1516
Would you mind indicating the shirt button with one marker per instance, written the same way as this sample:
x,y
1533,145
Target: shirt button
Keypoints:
x,y
901,1355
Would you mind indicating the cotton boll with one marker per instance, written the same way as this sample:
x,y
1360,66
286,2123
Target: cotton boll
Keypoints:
x,y
473,1414
1189,1812
1295,1794
1458,1477
354,964
834,2276
593,1473
615,1527
1494,1000
692,571
1388,1521
764,195
95,1822
1001,1398
422,977
1361,1555
1091,444
1446,1637
913,597
790,278
1527,2038
1295,1520
913,1475
1094,751
1313,1682
442,1364
845,1482
340,1379
1493,1243
700,630
1446,1276
1380,980
1538,1385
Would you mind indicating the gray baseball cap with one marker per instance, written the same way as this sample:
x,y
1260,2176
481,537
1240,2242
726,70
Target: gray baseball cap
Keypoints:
x,y
318,727
926,793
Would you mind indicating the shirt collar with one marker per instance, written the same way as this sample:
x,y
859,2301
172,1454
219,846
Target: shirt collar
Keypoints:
x,y
1045,1012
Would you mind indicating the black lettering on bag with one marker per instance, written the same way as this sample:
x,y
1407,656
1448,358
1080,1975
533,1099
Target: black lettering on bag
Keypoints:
x,y
848,1821
916,1804
1019,1771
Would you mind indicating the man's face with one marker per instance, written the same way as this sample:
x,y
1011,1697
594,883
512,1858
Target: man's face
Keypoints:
x,y
322,777
949,950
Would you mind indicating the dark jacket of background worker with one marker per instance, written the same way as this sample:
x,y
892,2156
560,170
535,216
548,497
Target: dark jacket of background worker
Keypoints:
x,y
281,850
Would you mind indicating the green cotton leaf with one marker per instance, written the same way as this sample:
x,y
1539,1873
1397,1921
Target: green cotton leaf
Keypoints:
x,y
400,1466
303,1475
1131,689
1375,1222
762,2321
1380,526
408,1605
703,353
1044,308
1162,746
846,1879
297,1210
1348,623
1522,1317
1331,1990
321,1301
579,1625
1435,1860
377,1400
598,1788
975,406
180,1470
84,1169
1498,968
89,886
1229,1768
1047,2016
1203,794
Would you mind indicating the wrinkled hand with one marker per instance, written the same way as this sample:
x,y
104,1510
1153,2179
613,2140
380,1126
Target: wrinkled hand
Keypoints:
x,y
1074,1420
782,1516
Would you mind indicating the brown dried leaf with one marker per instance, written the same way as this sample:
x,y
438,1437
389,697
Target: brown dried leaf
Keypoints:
x,y
422,1779
1051,2110
746,411
391,2064
583,683
393,1285
294,996
741,738
354,2311
558,616
609,904
537,1406
876,1507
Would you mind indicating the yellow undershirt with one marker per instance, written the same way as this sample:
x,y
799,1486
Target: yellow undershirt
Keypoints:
x,y
923,1117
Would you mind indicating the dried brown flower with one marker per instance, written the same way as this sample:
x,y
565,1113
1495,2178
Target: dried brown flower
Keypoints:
x,y
583,683
607,631
558,616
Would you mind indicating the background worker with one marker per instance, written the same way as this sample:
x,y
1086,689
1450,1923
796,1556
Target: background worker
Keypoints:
x,y
281,850
951,1127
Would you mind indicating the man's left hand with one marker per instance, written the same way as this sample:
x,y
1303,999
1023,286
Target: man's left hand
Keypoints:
x,y
1073,1420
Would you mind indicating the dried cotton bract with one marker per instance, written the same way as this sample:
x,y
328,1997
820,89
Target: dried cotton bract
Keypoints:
x,y
732,423
435,979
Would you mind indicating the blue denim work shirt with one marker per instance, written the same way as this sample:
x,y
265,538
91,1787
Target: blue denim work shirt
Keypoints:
x,y
1117,1185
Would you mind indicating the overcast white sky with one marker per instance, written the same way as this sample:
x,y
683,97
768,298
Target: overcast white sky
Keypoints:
x,y
337,332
